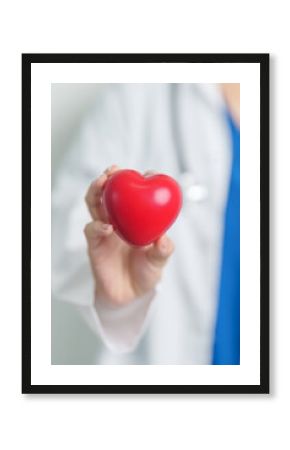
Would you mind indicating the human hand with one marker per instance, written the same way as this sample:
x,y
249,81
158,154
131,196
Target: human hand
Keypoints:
x,y
122,273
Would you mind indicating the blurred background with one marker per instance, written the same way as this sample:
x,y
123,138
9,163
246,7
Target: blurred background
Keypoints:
x,y
72,340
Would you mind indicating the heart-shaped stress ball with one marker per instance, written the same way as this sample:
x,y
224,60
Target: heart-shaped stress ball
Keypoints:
x,y
141,208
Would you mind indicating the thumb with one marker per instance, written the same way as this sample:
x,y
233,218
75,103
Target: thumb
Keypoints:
x,y
159,253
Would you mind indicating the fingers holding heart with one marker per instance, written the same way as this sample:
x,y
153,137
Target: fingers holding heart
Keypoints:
x,y
94,194
112,169
160,251
95,231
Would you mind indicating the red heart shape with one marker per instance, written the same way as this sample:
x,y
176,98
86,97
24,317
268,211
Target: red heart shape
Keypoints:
x,y
141,208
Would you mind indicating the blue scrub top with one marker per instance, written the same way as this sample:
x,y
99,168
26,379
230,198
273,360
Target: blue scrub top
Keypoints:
x,y
226,349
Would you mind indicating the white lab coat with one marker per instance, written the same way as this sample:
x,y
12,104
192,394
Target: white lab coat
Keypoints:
x,y
170,129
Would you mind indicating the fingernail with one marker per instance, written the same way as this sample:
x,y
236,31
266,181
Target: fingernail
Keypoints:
x,y
109,169
149,173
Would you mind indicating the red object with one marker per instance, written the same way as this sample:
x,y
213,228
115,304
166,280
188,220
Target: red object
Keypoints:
x,y
141,208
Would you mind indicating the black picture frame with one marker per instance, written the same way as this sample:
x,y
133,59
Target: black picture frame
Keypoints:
x,y
27,61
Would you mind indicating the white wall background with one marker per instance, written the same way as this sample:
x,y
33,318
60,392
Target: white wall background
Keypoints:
x,y
153,422
69,104
72,341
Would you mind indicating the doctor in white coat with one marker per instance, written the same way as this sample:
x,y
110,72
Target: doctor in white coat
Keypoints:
x,y
158,304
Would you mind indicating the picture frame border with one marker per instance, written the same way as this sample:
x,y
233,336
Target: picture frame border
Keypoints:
x,y
261,58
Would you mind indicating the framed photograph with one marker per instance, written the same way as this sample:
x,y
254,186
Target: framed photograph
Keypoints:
x,y
145,223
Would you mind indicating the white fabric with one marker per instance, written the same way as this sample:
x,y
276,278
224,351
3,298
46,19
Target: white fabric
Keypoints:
x,y
145,127
121,327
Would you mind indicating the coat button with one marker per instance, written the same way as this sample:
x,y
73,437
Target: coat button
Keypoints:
x,y
193,191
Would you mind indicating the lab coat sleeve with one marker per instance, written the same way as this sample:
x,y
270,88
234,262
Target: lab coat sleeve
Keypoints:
x,y
104,139
120,328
